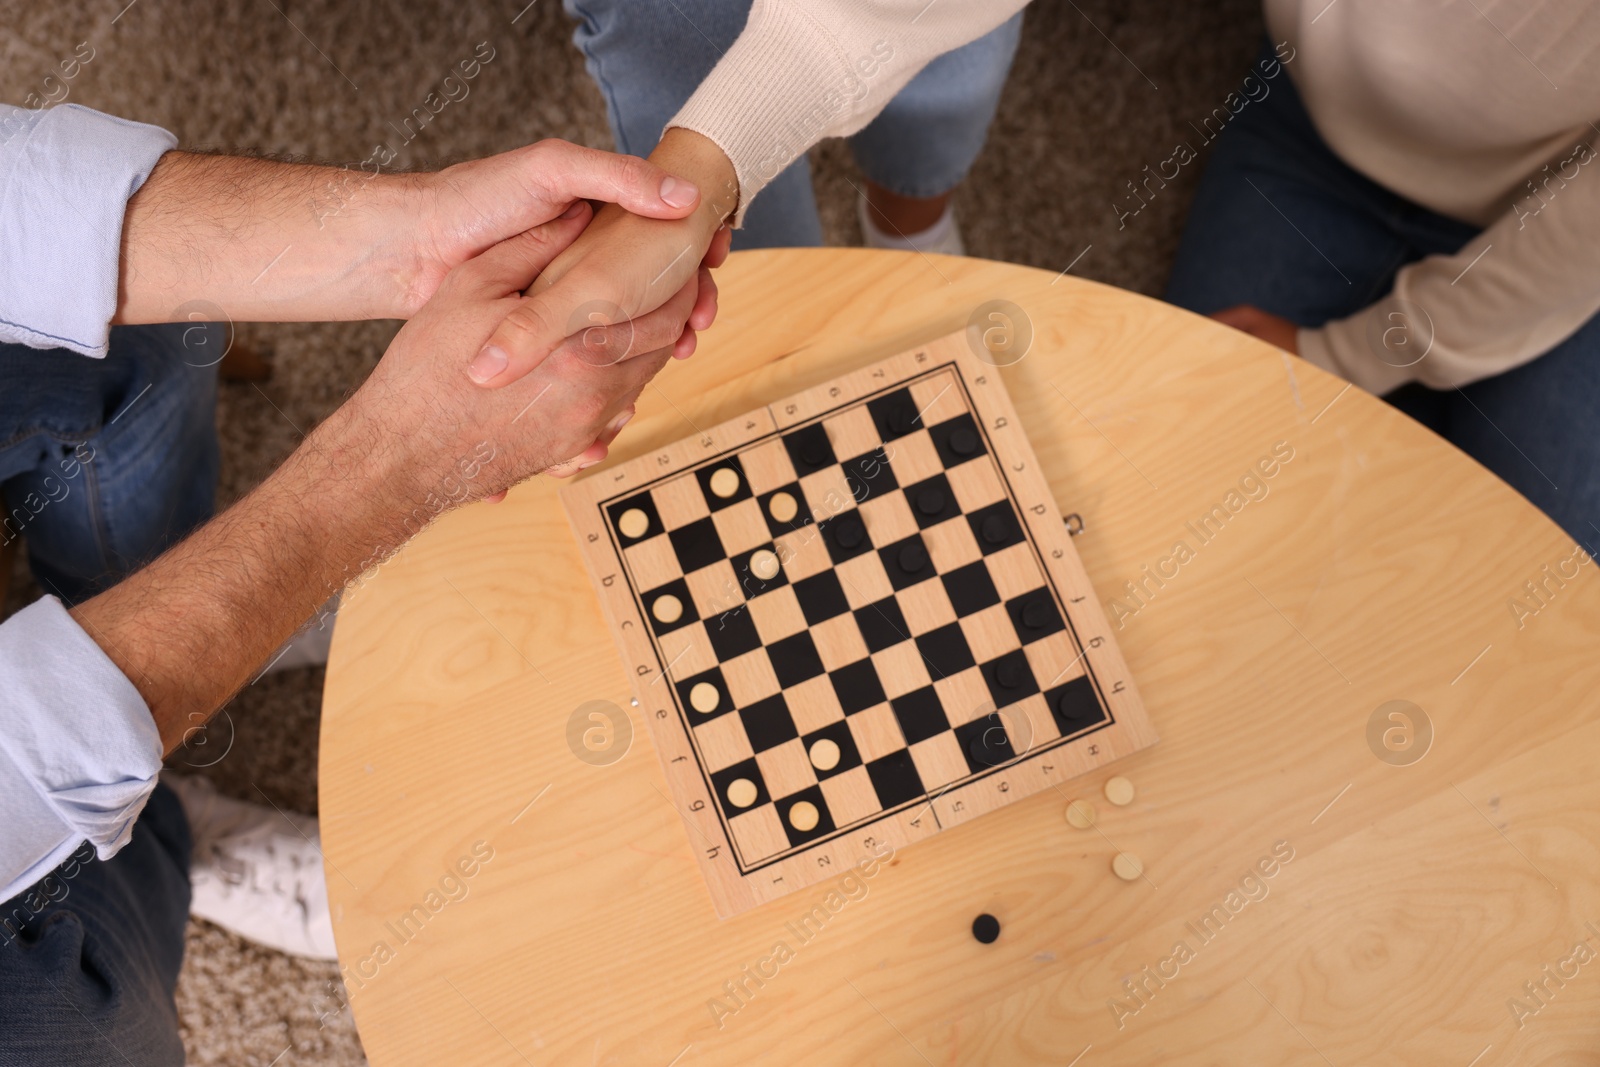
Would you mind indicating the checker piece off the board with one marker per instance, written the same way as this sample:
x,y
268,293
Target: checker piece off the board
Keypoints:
x,y
853,618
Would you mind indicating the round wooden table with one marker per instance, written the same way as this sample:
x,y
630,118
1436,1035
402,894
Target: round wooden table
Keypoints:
x,y
1330,877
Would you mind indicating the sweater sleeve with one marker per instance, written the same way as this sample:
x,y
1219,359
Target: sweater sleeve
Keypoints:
x,y
1514,292
66,174
804,70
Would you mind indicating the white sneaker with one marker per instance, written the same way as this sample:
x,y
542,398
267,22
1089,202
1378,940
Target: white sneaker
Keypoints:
x,y
942,238
256,870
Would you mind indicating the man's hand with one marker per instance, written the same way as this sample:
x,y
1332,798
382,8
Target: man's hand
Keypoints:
x,y
1273,329
622,267
417,438
283,242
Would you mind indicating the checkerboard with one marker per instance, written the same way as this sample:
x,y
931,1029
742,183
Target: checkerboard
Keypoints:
x,y
854,619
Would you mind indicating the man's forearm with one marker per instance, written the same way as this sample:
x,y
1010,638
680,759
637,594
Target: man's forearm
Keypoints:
x,y
266,241
191,628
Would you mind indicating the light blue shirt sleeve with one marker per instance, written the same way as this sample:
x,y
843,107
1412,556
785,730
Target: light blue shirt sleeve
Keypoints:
x,y
79,752
66,174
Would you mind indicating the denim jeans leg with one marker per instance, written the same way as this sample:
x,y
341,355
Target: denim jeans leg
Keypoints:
x,y
106,463
90,954
926,140
647,57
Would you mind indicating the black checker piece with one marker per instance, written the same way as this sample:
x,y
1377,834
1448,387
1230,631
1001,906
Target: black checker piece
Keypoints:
x,y
697,545
895,415
985,743
846,536
821,597
1034,615
1075,706
995,527
643,502
810,450
957,440
932,502
767,723
906,562
1010,678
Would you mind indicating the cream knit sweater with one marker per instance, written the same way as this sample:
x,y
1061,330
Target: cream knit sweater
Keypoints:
x,y
1482,110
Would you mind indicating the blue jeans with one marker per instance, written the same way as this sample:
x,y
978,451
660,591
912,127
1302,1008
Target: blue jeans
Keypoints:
x,y
103,465
648,56
1534,426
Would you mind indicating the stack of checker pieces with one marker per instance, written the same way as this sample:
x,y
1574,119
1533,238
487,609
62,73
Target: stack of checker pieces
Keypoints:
x,y
848,624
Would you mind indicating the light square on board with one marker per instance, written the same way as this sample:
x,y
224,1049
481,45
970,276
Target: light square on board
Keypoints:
x,y
964,695
777,615
914,458
786,768
939,760
714,589
679,501
926,606
652,562
975,485
989,633
1015,570
687,651
876,732
1054,660
1030,723
767,466
888,518
813,704
850,796
827,492
951,546
758,833
852,433
900,669
741,526
802,553
864,580
938,398
839,641
750,678
722,742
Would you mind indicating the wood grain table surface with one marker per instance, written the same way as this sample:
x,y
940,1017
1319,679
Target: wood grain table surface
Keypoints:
x,y
1370,831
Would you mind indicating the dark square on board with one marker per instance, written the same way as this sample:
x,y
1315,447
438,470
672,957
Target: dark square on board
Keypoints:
x,y
895,779
814,797
713,678
882,624
821,597
920,714
1075,706
767,723
795,659
932,501
697,545
957,440
985,743
706,473
643,502
1010,678
732,633
1034,615
845,535
995,527
677,588
869,476
857,686
945,651
907,562
809,449
970,589
895,415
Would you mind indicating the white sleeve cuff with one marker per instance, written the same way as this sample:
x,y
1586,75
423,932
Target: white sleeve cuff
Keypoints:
x,y
79,751
66,174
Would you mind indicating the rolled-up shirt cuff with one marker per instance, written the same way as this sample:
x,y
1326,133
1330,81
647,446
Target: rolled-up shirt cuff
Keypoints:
x,y
66,174
82,748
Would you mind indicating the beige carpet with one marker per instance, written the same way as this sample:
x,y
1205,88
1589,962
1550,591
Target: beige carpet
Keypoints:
x,y
1101,88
